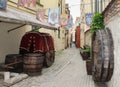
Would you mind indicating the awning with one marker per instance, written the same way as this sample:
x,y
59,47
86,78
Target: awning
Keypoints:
x,y
11,15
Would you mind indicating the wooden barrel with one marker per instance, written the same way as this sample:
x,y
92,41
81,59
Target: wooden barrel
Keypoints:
x,y
50,54
102,54
49,58
15,61
33,63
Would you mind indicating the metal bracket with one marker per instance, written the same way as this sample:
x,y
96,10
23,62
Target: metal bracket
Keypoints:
x,y
34,28
16,28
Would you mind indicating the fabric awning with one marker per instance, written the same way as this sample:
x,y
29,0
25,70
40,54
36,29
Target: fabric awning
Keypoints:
x,y
14,16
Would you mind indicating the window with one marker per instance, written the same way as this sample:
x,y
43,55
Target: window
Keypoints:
x,y
38,1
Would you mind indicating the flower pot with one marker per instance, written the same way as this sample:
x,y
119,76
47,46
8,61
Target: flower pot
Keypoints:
x,y
85,55
89,67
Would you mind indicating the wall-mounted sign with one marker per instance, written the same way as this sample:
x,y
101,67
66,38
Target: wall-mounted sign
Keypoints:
x,y
88,18
64,19
3,4
53,16
40,15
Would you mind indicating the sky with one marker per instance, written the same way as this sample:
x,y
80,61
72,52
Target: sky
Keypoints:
x,y
74,8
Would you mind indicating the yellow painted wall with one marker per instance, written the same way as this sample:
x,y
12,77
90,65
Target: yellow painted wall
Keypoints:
x,y
49,3
9,42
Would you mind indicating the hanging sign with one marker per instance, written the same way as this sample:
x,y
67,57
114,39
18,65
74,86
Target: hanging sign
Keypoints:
x,y
40,15
64,19
88,19
53,16
26,3
3,4
70,22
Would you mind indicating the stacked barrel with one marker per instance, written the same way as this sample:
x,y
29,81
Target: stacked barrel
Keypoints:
x,y
38,50
102,55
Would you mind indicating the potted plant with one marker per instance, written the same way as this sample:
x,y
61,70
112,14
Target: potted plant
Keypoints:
x,y
89,66
85,53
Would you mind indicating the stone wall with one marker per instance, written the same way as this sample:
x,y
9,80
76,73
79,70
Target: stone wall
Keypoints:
x,y
111,10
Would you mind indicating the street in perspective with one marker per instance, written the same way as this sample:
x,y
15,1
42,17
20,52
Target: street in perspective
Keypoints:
x,y
59,43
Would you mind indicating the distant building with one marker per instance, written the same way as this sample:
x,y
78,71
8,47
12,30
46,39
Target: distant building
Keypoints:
x,y
85,18
16,21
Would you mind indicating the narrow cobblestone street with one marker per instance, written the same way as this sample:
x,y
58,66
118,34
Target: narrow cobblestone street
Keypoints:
x,y
68,71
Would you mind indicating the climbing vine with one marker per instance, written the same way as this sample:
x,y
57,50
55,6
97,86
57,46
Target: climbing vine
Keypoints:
x,y
97,22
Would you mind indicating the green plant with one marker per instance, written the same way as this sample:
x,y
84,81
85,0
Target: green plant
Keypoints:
x,y
86,48
97,22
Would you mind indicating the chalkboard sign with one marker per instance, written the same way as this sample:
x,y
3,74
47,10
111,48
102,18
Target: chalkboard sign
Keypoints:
x,y
3,4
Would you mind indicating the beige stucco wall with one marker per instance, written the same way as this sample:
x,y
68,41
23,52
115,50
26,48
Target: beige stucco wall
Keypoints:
x,y
49,3
88,38
82,40
114,25
9,42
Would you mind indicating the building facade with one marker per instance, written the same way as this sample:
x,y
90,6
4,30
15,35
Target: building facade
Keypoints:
x,y
58,35
16,21
86,11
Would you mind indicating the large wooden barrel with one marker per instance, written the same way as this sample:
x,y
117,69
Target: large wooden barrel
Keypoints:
x,y
15,61
36,42
33,63
102,54
49,58
50,54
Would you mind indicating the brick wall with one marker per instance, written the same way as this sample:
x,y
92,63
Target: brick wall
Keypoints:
x,y
111,10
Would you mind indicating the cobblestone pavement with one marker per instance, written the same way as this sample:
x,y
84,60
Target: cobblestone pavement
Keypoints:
x,y
68,71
